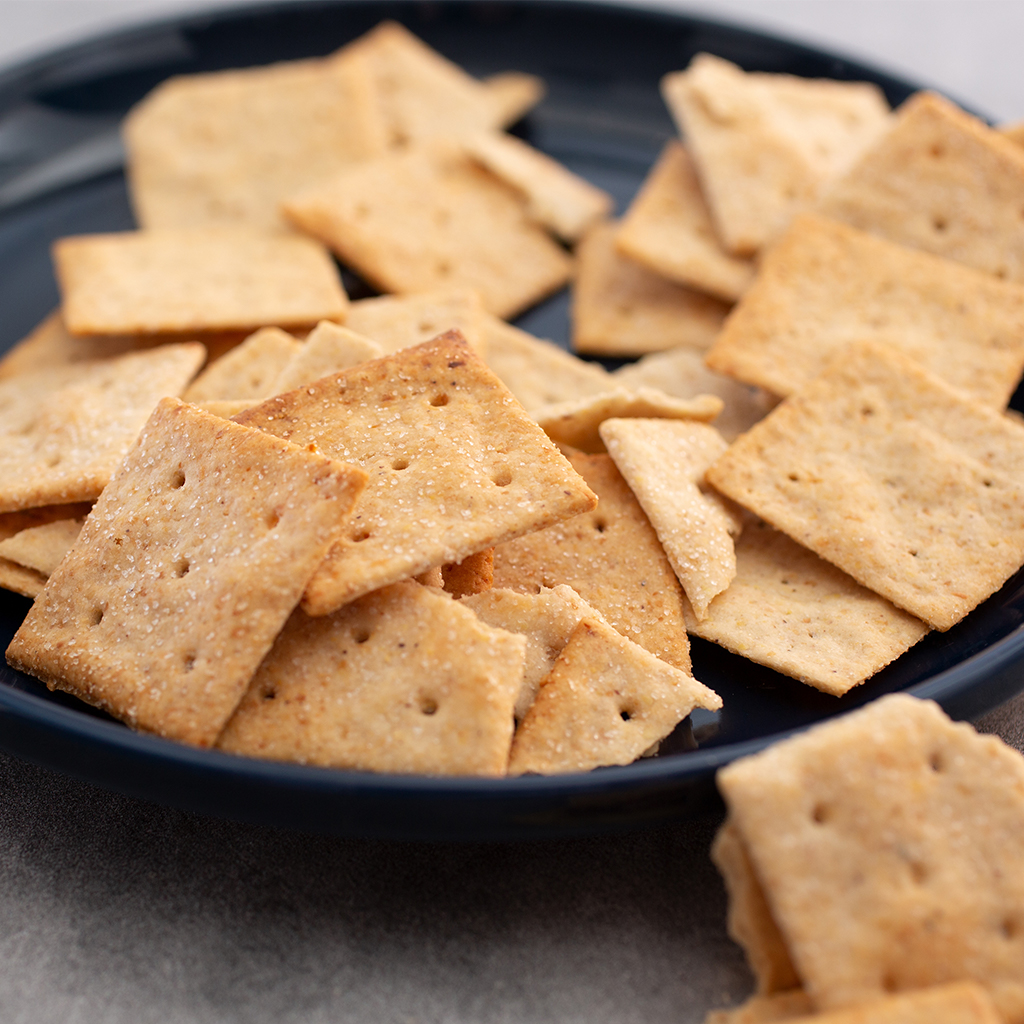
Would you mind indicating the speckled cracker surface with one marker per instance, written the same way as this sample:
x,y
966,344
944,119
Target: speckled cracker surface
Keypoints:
x,y
63,431
247,371
555,198
749,920
794,612
889,844
764,143
620,308
226,147
402,680
455,464
546,620
668,229
612,558
538,372
400,321
578,422
197,279
942,181
664,462
892,475
681,372
429,217
606,701
826,284
185,571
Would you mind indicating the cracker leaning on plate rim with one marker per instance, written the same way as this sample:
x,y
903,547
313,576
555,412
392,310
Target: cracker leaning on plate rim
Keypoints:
x,y
803,534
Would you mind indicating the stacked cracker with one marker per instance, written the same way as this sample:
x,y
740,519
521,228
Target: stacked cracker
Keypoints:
x,y
873,871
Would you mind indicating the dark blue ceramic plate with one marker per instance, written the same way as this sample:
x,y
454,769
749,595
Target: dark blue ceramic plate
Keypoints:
x,y
60,175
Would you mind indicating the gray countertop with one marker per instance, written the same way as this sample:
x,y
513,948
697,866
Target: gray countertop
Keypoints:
x,y
113,909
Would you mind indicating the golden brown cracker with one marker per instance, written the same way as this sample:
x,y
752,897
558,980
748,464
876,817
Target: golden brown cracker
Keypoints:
x,y
888,846
825,284
328,348
620,308
401,680
197,279
513,95
400,321
455,464
248,371
42,547
892,475
779,1006
161,619
612,558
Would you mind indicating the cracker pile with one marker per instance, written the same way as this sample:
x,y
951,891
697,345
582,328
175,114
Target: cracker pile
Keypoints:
x,y
809,464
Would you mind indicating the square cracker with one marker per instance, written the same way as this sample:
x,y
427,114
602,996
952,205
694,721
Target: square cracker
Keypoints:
x,y
400,321
556,198
764,143
681,372
63,431
605,701
538,372
196,279
226,147
668,229
455,464
942,181
248,371
888,843
799,615
430,217
185,571
612,558
825,284
620,308
892,475
402,680
664,462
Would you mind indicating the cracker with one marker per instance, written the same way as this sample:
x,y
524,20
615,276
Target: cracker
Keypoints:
x,y
826,284
225,408
64,431
888,843
539,372
162,619
42,547
17,577
892,475
911,188
794,612
420,94
513,95
455,464
664,462
620,308
764,144
749,921
546,619
473,575
328,349
606,701
765,1009
402,680
668,229
248,371
681,372
612,558
430,218
198,279
226,147
1014,132
577,423
400,321
555,198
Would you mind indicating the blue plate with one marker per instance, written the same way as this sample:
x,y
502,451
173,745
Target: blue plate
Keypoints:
x,y
60,175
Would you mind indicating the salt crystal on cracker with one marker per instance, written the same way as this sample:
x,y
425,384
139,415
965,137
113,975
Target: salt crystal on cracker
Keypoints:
x,y
197,279
401,680
186,569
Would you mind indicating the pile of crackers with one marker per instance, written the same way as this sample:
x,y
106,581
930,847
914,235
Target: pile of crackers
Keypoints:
x,y
873,866
401,534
